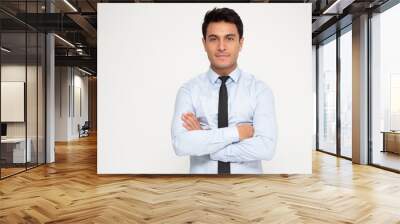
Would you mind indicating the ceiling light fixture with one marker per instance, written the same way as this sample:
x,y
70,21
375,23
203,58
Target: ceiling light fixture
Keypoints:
x,y
70,5
329,9
337,7
64,40
5,50
84,71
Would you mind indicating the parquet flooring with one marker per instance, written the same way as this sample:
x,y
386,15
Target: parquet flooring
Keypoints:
x,y
70,191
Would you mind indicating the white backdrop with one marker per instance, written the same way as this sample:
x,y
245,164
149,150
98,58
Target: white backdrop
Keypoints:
x,y
147,51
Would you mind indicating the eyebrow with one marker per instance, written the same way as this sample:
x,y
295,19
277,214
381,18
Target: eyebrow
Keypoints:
x,y
228,35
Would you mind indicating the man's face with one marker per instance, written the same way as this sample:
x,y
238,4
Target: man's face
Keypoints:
x,y
222,45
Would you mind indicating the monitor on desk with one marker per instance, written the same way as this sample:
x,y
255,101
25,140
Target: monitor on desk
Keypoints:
x,y
3,130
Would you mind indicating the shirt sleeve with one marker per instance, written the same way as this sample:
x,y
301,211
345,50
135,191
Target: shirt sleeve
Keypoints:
x,y
197,142
262,145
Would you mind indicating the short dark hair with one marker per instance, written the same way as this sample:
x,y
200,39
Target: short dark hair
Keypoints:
x,y
222,14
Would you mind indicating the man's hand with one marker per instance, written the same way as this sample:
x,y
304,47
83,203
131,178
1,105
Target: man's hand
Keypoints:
x,y
245,131
190,122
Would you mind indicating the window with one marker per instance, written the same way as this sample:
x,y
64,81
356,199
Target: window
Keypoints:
x,y
385,89
327,96
346,93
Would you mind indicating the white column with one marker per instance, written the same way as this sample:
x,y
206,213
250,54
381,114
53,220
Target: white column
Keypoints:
x,y
360,90
50,91
50,100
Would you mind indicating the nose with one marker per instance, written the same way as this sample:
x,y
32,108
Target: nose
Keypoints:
x,y
221,46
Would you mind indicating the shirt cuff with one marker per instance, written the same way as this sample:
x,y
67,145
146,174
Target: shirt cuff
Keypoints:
x,y
231,134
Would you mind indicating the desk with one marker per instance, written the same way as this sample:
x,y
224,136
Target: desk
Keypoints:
x,y
15,148
391,141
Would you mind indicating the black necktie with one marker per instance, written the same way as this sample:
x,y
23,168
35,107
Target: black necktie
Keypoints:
x,y
223,167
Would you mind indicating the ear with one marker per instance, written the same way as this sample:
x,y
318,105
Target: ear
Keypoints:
x,y
241,43
204,43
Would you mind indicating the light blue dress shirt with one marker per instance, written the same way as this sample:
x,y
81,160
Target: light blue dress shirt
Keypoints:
x,y
249,101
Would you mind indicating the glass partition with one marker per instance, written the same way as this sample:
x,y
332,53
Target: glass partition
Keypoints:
x,y
32,95
22,67
13,111
41,107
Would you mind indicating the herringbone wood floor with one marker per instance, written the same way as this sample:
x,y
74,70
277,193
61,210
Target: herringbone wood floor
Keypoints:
x,y
70,191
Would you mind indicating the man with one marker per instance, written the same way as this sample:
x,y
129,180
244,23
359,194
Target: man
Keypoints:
x,y
224,119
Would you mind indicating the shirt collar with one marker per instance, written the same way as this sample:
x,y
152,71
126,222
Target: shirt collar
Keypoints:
x,y
213,76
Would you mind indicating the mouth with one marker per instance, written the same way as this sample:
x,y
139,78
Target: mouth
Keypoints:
x,y
222,56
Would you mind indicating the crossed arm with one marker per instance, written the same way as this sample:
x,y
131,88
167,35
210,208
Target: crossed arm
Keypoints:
x,y
231,144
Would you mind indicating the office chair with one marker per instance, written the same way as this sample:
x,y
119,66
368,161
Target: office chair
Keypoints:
x,y
84,130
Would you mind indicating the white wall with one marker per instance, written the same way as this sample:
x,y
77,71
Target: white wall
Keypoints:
x,y
68,81
79,117
61,103
142,64
314,87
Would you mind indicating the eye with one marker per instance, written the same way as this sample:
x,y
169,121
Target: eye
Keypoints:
x,y
212,39
230,38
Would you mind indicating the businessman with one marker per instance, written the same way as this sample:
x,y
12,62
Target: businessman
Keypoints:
x,y
224,119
